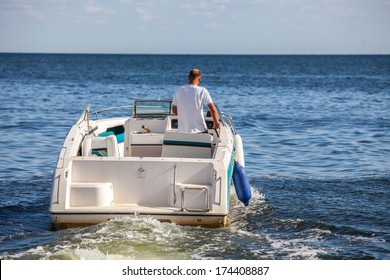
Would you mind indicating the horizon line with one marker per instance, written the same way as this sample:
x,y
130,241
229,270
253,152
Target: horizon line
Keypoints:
x,y
195,54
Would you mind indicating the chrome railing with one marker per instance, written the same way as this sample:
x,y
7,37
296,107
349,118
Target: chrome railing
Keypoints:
x,y
97,113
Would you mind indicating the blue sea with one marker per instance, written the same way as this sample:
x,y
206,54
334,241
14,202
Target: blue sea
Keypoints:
x,y
316,133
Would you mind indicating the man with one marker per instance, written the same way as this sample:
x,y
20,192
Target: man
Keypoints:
x,y
188,103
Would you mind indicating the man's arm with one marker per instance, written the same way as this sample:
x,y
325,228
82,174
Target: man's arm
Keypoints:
x,y
214,114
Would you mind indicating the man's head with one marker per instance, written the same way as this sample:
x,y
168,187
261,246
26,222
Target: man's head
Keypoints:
x,y
194,76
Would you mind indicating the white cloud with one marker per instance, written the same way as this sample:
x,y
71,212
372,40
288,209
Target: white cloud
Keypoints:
x,y
345,8
97,10
30,10
204,7
145,15
214,25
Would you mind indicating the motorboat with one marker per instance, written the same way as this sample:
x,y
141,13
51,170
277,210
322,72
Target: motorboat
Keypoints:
x,y
132,161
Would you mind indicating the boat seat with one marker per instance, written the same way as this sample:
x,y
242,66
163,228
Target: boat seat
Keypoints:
x,y
187,145
100,146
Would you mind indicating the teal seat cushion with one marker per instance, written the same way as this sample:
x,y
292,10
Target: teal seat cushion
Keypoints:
x,y
119,137
105,134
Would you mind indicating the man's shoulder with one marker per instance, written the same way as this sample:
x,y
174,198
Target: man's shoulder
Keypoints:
x,y
180,88
183,87
204,90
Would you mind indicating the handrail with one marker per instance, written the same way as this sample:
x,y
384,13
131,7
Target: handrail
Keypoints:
x,y
230,123
97,112
174,184
226,120
221,114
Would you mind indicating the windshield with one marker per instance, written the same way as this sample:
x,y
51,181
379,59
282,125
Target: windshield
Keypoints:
x,y
151,108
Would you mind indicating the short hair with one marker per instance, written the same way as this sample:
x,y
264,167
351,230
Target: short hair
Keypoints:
x,y
194,73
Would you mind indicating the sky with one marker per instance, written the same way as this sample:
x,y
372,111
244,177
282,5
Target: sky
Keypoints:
x,y
196,27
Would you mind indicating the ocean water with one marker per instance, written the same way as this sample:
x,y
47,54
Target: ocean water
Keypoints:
x,y
316,132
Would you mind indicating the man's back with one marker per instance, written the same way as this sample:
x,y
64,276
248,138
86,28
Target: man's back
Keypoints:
x,y
190,100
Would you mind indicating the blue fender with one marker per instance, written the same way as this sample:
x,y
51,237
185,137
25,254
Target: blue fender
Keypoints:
x,y
241,184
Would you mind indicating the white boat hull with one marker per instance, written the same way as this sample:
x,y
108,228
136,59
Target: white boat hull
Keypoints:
x,y
150,174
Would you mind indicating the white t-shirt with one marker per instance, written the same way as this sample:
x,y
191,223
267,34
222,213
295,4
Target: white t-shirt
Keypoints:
x,y
190,100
